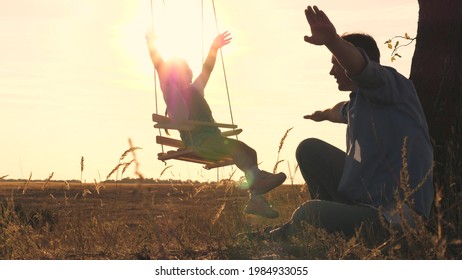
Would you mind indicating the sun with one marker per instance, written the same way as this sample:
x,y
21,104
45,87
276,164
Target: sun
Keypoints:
x,y
184,28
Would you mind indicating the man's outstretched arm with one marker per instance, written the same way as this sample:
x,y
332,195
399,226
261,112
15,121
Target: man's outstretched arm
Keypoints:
x,y
333,114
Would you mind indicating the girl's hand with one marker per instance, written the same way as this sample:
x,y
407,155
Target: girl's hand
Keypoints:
x,y
221,40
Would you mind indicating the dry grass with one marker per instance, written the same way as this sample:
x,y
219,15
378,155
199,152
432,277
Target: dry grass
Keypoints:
x,y
281,144
122,221
172,221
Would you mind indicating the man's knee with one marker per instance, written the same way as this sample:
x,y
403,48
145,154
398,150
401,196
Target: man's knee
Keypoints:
x,y
308,148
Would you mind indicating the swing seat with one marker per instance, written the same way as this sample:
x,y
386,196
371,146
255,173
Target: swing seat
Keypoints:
x,y
210,159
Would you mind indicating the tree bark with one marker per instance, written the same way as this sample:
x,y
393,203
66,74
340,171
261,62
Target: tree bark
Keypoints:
x,y
436,72
437,75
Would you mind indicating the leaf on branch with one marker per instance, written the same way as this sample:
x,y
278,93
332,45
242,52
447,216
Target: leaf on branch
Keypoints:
x,y
393,58
396,45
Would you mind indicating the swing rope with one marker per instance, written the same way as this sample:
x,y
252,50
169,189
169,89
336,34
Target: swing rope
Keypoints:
x,y
223,66
202,31
155,74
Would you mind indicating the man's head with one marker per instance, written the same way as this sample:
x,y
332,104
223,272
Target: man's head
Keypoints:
x,y
360,40
365,42
178,72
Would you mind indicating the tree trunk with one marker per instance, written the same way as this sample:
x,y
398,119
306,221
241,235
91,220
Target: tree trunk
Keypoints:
x,y
437,75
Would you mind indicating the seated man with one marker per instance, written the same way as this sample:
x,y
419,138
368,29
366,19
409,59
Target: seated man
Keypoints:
x,y
386,170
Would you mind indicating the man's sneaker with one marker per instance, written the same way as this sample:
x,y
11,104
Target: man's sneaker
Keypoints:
x,y
266,181
259,206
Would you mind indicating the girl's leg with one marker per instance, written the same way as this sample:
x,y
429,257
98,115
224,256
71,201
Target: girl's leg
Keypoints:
x,y
245,159
244,156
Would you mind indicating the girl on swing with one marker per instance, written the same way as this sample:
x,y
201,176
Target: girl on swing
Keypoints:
x,y
185,101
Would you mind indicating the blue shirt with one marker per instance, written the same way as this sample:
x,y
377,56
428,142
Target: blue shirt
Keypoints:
x,y
386,123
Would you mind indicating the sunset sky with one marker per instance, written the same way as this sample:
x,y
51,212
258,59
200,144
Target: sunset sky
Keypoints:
x,y
76,79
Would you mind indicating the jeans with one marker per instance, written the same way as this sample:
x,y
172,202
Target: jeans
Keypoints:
x,y
321,165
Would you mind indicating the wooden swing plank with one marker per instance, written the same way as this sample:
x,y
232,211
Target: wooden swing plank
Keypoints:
x,y
184,127
181,156
231,132
224,125
159,118
219,164
191,155
169,142
165,121
207,163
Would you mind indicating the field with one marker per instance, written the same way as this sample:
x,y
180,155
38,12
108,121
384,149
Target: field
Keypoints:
x,y
60,220
126,221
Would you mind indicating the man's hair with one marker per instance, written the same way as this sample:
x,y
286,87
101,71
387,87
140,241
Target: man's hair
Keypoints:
x,y
365,42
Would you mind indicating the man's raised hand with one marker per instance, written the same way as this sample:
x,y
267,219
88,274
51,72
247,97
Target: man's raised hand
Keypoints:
x,y
322,30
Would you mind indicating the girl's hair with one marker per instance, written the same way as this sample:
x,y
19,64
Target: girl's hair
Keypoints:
x,y
176,68
178,65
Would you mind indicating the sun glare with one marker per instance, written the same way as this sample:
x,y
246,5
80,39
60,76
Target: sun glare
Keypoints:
x,y
183,28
